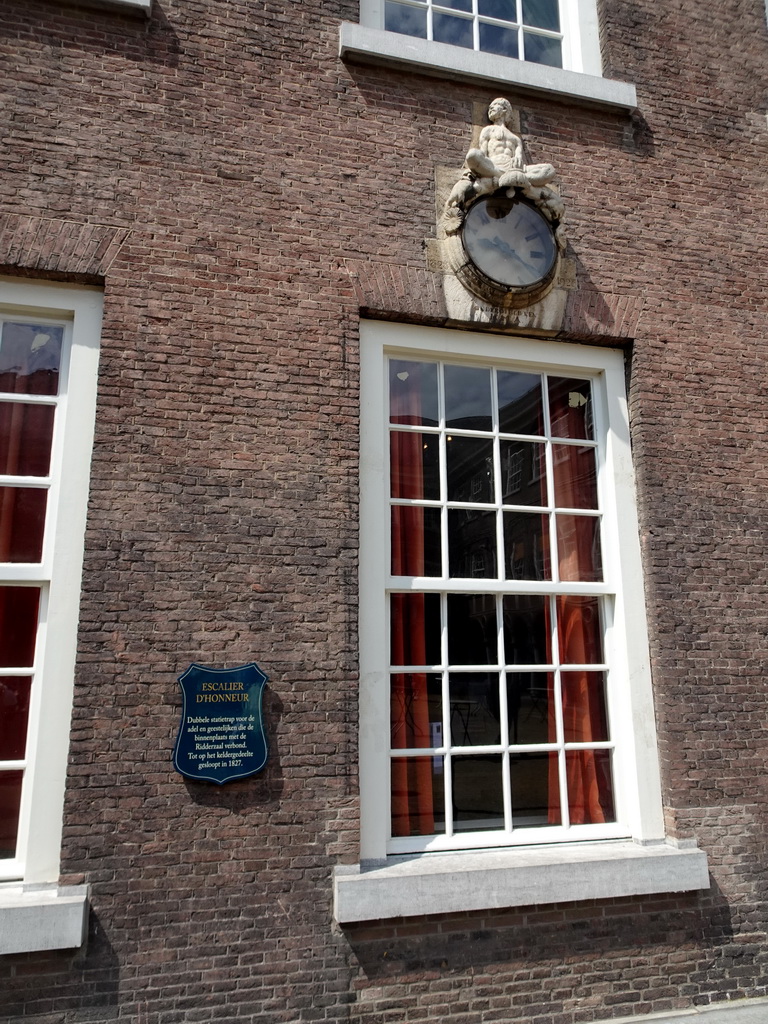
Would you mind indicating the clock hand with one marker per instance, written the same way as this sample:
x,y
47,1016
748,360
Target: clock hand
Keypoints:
x,y
507,250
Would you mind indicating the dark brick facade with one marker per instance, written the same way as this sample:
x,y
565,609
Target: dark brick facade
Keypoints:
x,y
244,196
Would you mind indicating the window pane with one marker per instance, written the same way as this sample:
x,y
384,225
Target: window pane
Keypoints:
x,y
467,396
415,629
416,710
25,438
575,476
530,707
570,407
542,14
414,465
506,10
30,356
415,541
578,547
14,709
478,799
456,31
584,712
22,523
471,544
526,546
590,786
470,468
418,800
520,409
522,482
409,21
456,5
18,626
535,790
413,388
475,712
495,39
527,630
579,630
542,50
472,636
10,801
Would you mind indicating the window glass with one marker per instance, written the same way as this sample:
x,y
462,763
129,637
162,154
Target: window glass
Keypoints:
x,y
499,720
542,14
30,358
543,50
409,21
456,31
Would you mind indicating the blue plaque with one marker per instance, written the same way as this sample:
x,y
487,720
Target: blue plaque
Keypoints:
x,y
221,736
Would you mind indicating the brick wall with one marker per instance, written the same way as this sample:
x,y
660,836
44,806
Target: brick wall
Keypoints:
x,y
243,195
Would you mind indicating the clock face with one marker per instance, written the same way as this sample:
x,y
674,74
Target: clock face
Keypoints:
x,y
509,241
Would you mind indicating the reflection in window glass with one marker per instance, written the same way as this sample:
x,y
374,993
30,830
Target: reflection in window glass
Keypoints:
x,y
499,40
471,544
30,358
413,393
467,398
456,31
505,10
520,408
543,50
542,14
409,21
470,469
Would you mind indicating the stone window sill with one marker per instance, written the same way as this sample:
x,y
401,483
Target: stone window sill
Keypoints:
x,y
42,917
451,883
374,46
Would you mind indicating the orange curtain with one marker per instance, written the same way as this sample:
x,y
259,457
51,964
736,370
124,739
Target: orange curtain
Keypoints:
x,y
579,639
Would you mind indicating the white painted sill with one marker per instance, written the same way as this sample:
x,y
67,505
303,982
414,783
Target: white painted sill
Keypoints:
x,y
452,883
42,917
375,46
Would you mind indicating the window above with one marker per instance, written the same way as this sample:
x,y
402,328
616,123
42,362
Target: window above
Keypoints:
x,y
524,29
547,46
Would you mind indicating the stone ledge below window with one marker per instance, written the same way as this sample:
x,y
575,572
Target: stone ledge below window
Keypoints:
x,y
375,46
451,883
42,917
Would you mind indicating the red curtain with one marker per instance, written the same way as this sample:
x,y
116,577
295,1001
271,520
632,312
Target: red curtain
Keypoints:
x,y
412,797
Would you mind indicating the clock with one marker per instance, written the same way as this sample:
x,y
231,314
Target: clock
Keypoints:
x,y
510,243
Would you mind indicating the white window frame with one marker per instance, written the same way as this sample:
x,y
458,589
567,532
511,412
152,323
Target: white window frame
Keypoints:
x,y
26,881
579,79
601,861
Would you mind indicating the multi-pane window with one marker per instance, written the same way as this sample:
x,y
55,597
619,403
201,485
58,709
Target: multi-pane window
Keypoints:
x,y
512,682
49,345
30,390
528,30
505,687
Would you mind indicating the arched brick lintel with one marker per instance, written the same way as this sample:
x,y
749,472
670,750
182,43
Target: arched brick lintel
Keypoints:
x,y
58,247
416,295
